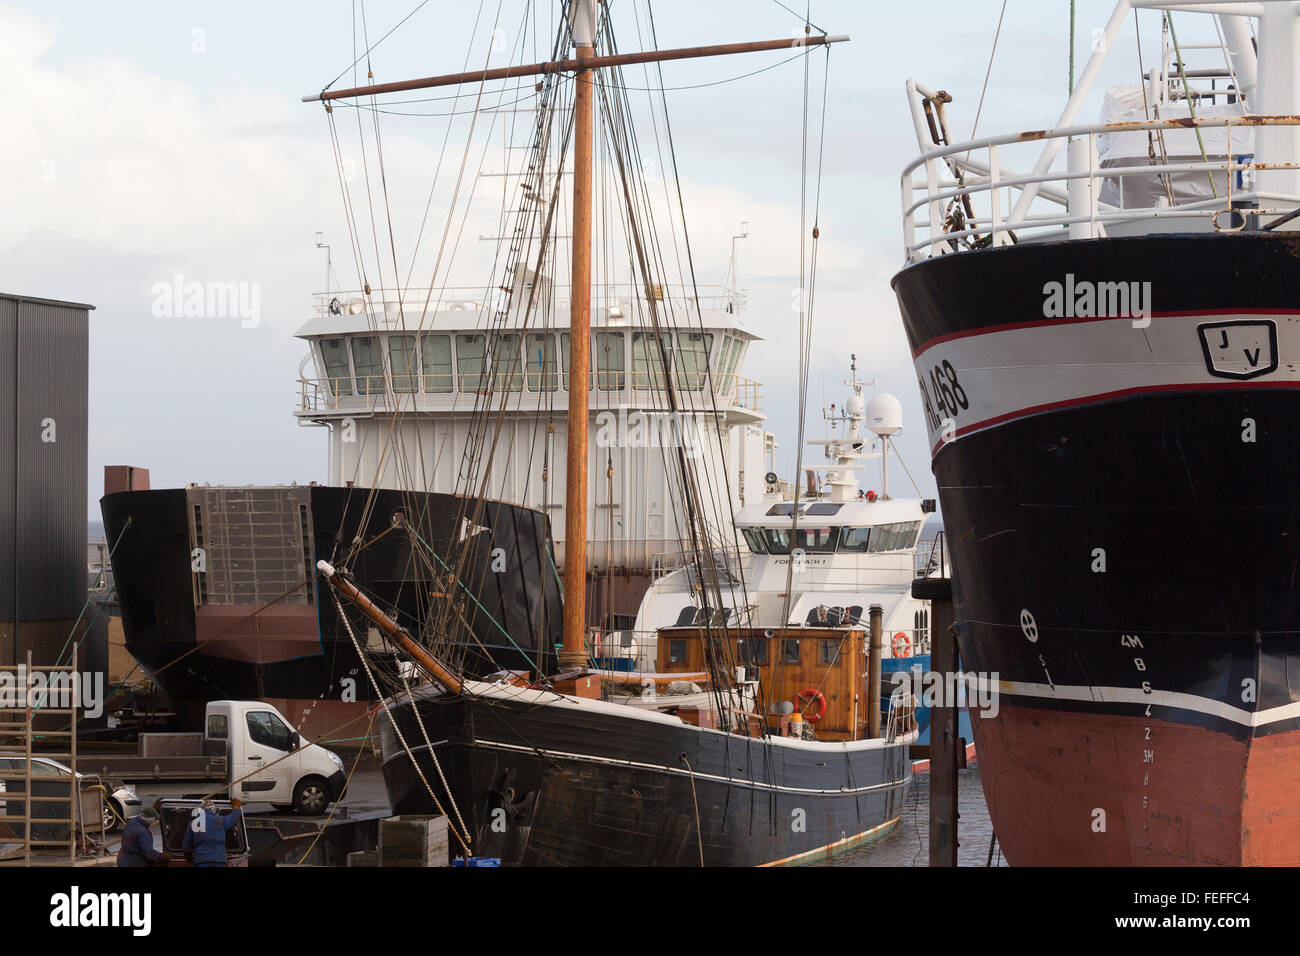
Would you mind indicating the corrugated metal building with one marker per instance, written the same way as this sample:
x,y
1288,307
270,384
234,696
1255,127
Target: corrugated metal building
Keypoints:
x,y
44,410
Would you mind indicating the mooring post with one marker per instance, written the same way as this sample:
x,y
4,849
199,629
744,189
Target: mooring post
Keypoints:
x,y
944,742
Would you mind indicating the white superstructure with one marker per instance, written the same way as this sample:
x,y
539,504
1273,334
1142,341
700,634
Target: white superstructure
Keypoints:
x,y
852,548
404,397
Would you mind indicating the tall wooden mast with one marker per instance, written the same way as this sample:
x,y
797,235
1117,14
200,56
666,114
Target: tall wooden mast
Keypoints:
x,y
573,653
582,19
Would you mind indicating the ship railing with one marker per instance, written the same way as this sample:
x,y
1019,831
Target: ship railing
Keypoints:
x,y
949,221
726,560
932,557
613,300
901,717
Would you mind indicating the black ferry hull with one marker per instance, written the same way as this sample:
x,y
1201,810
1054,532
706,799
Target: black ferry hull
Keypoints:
x,y
251,620
1120,499
571,785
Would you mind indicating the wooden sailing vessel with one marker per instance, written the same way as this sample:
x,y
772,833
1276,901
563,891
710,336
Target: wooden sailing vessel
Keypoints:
x,y
538,768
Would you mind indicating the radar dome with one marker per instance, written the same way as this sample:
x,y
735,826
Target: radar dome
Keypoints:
x,y
884,414
854,407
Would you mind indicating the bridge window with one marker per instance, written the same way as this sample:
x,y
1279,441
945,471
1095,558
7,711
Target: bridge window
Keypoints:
x,y
471,361
755,540
611,363
650,355
855,539
778,540
436,354
727,361
369,363
543,374
505,350
693,359
334,352
817,540
401,356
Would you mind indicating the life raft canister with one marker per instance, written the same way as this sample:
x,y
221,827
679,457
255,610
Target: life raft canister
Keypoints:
x,y
901,645
811,694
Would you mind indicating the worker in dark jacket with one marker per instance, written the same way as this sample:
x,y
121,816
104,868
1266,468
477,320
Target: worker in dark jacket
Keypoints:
x,y
137,842
205,839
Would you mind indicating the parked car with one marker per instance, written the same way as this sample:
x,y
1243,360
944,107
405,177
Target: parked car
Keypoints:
x,y
119,805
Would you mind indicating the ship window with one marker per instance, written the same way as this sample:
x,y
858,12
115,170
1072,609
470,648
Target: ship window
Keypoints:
x,y
543,374
564,361
752,650
729,368
677,651
790,650
611,362
693,359
471,361
335,354
755,540
649,359
785,509
505,368
823,508
401,356
778,540
855,539
436,354
830,652
817,540
369,364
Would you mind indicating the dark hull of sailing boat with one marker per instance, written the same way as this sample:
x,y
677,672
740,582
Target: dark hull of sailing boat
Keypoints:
x,y
1124,520
254,623
560,784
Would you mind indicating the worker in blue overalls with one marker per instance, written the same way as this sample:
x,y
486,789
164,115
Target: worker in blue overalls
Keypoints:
x,y
205,838
137,842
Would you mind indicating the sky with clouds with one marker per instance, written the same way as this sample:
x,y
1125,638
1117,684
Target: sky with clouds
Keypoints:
x,y
150,140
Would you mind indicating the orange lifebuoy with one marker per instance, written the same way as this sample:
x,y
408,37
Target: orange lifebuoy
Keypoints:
x,y
901,644
811,694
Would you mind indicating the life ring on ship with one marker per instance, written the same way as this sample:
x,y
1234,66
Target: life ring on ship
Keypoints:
x,y
811,694
901,645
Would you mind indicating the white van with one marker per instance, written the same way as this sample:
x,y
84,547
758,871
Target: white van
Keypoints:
x,y
269,762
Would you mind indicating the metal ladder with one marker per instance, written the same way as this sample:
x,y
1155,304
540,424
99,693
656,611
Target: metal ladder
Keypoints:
x,y
30,718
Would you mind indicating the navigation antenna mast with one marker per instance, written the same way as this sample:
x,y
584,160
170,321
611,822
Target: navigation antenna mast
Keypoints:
x,y
582,22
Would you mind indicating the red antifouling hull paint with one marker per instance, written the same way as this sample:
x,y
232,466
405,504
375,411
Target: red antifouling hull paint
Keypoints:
x,y
1172,794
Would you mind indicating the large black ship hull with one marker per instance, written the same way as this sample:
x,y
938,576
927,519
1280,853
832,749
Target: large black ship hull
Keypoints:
x,y
220,597
1122,509
543,781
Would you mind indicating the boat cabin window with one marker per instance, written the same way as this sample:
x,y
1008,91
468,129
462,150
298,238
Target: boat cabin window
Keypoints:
x,y
650,354
823,508
784,508
855,539
543,373
790,650
728,355
830,652
677,651
817,540
436,355
894,537
401,356
369,364
693,359
755,540
608,352
334,352
778,540
471,360
752,650
505,365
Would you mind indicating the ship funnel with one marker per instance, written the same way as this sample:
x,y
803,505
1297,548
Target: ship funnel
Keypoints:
x,y
884,414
